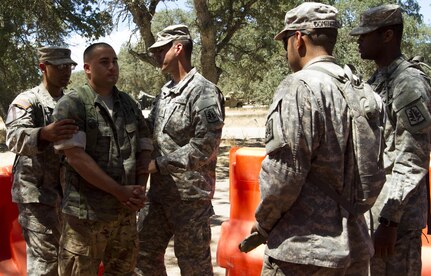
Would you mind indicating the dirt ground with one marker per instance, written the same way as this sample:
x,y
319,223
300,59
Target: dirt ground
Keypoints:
x,y
243,127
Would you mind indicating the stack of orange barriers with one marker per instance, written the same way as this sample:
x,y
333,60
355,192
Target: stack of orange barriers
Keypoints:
x,y
244,196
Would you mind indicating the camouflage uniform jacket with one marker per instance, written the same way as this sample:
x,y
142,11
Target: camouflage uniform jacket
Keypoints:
x,y
118,139
307,132
187,120
406,95
36,172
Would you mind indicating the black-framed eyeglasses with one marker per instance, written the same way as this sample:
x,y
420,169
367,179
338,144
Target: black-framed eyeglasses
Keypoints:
x,y
292,33
62,67
286,39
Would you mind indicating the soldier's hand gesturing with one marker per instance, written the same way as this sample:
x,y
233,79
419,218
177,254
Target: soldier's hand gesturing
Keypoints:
x,y
60,130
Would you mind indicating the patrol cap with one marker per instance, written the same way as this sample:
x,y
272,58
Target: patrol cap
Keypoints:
x,y
171,33
310,15
55,55
374,18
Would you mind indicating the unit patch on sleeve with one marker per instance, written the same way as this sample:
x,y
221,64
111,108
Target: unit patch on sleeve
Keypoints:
x,y
211,115
414,115
269,132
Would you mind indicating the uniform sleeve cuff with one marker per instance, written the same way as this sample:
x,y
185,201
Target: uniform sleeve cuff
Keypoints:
x,y
262,231
78,140
146,144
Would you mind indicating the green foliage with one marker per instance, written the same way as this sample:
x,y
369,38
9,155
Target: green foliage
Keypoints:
x,y
77,79
28,24
416,35
137,75
251,64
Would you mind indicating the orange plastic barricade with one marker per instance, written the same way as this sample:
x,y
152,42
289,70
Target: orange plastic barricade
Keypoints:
x,y
12,244
13,261
426,253
426,245
244,196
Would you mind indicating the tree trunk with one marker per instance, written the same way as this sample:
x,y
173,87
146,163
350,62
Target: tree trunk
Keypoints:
x,y
142,17
208,39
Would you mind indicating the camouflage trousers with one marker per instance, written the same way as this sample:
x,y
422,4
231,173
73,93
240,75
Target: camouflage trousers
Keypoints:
x,y
407,258
189,223
85,243
273,267
41,230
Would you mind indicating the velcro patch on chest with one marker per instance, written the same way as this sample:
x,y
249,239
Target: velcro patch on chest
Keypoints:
x,y
414,115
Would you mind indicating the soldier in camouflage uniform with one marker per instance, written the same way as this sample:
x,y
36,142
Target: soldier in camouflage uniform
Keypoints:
x,y
186,120
30,134
307,141
102,191
400,212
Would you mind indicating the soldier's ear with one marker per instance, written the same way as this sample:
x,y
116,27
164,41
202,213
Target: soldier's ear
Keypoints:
x,y
87,68
388,35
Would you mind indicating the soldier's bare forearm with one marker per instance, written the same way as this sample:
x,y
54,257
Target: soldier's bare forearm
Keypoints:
x,y
86,167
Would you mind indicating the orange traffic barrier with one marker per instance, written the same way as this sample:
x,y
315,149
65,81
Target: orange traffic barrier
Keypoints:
x,y
13,259
12,251
244,196
426,245
426,253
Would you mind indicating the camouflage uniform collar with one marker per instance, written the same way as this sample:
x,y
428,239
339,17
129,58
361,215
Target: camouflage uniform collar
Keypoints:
x,y
390,69
45,96
326,58
98,98
171,87
115,90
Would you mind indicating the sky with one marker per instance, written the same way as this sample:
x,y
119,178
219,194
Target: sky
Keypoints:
x,y
425,10
121,35
116,39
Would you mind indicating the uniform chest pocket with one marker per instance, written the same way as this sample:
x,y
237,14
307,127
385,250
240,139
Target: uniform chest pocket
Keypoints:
x,y
131,129
132,137
178,125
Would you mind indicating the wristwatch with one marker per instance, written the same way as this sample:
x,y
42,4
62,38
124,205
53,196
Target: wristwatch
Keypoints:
x,y
388,223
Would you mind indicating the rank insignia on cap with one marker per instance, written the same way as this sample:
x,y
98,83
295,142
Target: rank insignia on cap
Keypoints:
x,y
414,115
